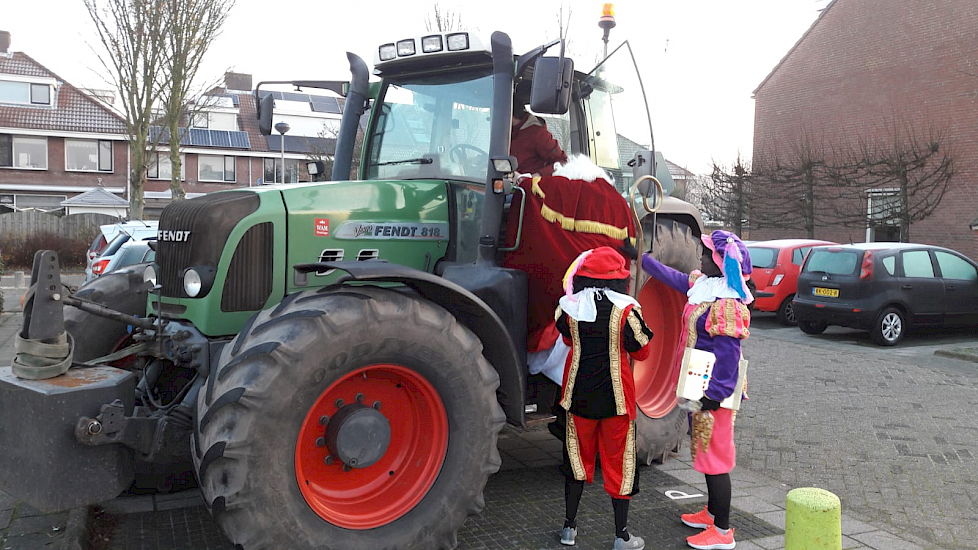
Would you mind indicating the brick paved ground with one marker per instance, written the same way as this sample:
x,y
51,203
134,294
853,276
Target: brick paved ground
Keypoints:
x,y
886,429
891,431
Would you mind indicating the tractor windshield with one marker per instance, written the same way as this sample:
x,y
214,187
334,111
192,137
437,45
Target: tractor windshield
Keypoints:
x,y
432,127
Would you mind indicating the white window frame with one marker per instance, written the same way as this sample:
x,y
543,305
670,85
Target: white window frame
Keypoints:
x,y
98,153
225,159
50,93
160,154
877,194
275,162
14,138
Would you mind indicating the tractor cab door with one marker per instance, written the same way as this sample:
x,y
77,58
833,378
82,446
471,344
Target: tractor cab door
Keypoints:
x,y
617,115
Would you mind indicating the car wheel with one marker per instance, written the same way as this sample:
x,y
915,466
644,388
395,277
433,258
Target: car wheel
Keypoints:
x,y
786,312
812,327
890,327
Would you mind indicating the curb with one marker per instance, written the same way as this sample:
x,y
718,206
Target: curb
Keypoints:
x,y
958,354
78,529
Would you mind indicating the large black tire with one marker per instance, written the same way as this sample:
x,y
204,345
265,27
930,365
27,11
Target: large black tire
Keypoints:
x,y
95,336
786,312
287,367
890,327
678,247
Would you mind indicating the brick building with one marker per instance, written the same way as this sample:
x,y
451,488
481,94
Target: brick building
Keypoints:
x,y
863,62
55,141
58,143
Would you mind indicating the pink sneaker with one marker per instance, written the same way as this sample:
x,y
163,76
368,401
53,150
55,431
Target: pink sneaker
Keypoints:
x,y
711,539
700,520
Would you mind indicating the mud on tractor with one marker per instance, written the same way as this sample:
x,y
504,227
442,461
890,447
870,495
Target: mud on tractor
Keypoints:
x,y
319,399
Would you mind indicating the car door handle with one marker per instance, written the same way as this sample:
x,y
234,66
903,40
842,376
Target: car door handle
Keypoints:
x,y
950,287
907,287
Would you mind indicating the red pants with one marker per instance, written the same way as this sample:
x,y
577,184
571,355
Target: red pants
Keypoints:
x,y
614,438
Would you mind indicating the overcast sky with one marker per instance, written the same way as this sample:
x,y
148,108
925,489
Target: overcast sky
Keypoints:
x,y
700,60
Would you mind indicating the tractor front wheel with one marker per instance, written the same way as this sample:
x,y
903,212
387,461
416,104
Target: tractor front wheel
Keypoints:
x,y
348,418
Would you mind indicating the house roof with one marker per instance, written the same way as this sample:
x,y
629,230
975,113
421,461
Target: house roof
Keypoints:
x,y
301,144
96,196
75,111
793,48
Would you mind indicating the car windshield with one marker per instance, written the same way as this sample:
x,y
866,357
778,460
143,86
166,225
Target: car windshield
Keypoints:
x,y
762,258
433,128
833,262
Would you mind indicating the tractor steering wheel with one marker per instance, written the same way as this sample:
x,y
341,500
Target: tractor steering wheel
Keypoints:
x,y
472,165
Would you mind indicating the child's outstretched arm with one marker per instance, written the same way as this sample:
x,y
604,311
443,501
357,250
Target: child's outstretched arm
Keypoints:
x,y
673,278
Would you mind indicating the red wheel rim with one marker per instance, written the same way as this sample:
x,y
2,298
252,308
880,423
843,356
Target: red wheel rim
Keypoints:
x,y
656,377
365,498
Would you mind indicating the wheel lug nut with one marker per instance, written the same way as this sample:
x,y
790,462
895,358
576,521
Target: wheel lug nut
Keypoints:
x,y
346,468
323,420
329,460
320,441
339,403
376,405
359,398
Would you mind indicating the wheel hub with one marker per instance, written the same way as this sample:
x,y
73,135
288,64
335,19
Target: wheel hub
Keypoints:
x,y
358,435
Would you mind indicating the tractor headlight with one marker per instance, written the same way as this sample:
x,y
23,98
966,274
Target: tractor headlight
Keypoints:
x,y
149,274
197,280
388,52
458,41
405,47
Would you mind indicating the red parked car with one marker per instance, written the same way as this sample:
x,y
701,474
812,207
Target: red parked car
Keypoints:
x,y
776,266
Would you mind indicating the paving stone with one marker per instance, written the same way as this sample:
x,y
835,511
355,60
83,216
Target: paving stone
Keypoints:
x,y
5,518
53,523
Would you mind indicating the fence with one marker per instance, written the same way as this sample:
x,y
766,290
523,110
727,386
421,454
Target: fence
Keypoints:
x,y
32,222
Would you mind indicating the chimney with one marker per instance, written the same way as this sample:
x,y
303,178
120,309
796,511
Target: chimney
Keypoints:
x,y
4,41
237,81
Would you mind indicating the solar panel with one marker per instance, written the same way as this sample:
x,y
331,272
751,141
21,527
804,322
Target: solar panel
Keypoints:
x,y
240,139
220,138
199,136
325,105
184,136
291,96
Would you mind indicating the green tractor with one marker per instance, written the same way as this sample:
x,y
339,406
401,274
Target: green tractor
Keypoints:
x,y
333,362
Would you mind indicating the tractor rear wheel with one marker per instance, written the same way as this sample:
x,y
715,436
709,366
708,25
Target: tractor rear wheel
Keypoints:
x,y
348,418
660,425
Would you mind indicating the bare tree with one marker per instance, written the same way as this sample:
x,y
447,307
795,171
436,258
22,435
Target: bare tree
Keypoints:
x,y
131,31
884,182
191,28
728,193
325,154
904,175
442,20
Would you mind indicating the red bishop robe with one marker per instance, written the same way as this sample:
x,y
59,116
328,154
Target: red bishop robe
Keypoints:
x,y
563,218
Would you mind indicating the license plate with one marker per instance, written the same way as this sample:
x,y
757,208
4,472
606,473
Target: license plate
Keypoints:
x,y
830,292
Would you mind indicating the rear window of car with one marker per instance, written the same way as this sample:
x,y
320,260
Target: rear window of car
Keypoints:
x,y
833,262
762,258
115,245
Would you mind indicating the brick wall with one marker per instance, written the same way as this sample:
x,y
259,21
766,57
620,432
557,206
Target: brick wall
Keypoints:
x,y
868,61
57,175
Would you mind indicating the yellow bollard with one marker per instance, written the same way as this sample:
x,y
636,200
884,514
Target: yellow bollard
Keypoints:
x,y
813,519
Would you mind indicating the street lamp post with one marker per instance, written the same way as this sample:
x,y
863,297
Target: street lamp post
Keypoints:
x,y
282,128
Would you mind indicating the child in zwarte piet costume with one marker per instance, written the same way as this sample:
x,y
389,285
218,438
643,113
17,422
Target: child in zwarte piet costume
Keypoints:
x,y
715,319
603,326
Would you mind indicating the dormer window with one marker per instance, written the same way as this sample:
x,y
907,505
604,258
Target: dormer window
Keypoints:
x,y
40,94
25,93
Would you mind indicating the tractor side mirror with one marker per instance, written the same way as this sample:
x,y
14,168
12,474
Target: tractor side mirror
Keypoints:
x,y
265,108
642,165
551,93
